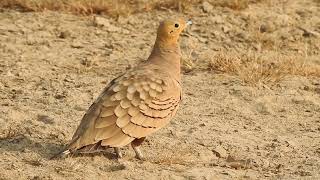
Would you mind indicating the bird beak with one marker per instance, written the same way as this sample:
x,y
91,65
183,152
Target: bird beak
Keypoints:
x,y
189,22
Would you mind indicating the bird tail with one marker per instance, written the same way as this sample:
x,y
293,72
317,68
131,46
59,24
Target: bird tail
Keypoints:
x,y
61,154
65,151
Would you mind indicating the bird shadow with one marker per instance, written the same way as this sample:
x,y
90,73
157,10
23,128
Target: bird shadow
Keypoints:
x,y
24,144
45,147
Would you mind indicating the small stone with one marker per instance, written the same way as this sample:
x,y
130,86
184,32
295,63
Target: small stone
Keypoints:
x,y
202,40
237,165
292,144
59,96
267,27
207,7
176,177
220,152
298,100
263,108
100,22
45,119
103,22
216,19
226,29
118,167
77,45
265,163
64,34
202,125
205,155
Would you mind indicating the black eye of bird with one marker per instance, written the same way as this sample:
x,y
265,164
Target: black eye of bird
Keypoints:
x,y
176,25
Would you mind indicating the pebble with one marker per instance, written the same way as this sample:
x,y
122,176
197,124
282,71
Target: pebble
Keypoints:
x,y
220,152
103,22
263,108
45,119
207,7
64,34
77,45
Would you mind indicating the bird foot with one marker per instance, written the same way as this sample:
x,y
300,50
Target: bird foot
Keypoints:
x,y
118,152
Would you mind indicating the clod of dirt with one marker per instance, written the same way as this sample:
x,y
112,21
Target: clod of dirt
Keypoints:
x,y
237,164
205,155
118,167
263,108
45,119
103,22
308,32
100,22
220,152
64,34
207,7
217,20
267,27
77,45
59,96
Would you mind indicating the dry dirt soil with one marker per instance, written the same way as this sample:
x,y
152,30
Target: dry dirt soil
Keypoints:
x,y
54,65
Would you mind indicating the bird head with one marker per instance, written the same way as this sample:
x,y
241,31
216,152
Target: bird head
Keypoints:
x,y
169,30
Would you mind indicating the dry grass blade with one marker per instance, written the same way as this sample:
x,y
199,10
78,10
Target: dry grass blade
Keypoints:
x,y
254,70
84,7
232,4
115,8
222,63
179,5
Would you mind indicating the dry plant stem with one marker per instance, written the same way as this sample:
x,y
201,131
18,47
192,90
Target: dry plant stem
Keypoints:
x,y
254,70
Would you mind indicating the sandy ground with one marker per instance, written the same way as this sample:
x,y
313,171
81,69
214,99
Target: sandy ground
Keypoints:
x,y
54,65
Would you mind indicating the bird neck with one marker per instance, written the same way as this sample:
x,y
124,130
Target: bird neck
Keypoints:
x,y
167,54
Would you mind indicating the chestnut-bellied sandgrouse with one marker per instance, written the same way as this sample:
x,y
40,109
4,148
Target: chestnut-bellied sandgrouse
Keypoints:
x,y
137,103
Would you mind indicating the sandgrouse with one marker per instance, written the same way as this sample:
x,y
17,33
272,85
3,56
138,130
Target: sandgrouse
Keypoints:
x,y
137,103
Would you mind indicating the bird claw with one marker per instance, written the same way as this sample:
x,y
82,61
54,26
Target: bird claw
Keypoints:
x,y
136,149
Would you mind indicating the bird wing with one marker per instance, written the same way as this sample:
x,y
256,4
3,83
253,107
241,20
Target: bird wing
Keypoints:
x,y
134,105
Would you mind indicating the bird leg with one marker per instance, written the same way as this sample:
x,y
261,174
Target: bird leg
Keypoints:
x,y
138,152
118,152
135,145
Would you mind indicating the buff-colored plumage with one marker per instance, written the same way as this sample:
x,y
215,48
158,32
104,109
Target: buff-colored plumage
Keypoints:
x,y
139,102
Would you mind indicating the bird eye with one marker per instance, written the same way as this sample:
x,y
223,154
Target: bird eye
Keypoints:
x,y
176,25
